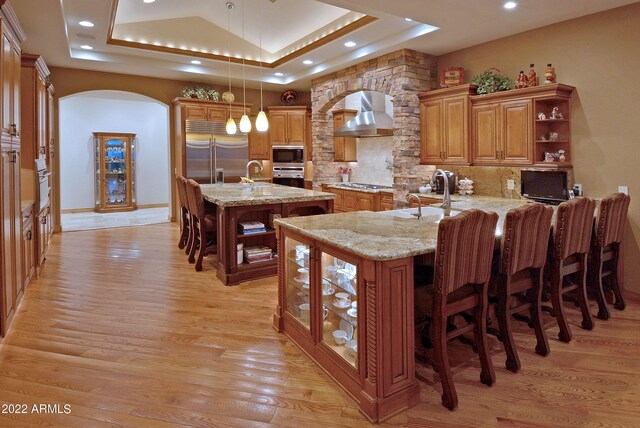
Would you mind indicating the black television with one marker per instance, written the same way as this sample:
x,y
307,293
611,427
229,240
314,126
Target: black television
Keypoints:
x,y
544,186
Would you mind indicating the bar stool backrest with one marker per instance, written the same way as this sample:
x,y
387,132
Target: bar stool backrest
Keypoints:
x,y
574,223
612,216
464,250
525,238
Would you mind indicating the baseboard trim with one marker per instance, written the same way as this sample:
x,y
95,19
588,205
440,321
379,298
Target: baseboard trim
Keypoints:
x,y
89,210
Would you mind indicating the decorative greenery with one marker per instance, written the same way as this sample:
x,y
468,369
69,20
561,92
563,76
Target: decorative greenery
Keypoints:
x,y
492,81
200,92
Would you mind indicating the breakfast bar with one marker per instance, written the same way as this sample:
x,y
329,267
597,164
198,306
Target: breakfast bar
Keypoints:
x,y
256,203
345,295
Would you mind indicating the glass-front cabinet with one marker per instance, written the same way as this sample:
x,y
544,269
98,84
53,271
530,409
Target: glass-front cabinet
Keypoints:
x,y
115,172
340,306
352,315
320,294
297,274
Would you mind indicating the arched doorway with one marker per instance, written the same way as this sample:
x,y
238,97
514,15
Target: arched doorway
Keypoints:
x,y
82,114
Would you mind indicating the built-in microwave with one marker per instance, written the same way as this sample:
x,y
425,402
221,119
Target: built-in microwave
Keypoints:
x,y
288,155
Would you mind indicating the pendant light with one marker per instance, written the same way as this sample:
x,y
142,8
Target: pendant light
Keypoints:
x,y
262,123
245,123
231,124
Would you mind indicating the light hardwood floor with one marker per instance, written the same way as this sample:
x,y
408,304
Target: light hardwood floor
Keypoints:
x,y
122,329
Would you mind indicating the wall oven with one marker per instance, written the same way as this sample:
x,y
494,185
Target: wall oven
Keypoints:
x,y
289,176
288,165
43,182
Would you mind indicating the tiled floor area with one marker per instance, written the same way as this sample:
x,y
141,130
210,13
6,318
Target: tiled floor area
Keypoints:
x,y
92,220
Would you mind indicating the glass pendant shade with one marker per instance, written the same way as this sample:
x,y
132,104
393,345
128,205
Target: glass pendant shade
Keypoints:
x,y
262,123
231,126
245,123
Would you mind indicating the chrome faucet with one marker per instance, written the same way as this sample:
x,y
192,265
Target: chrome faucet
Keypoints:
x,y
248,173
417,198
447,196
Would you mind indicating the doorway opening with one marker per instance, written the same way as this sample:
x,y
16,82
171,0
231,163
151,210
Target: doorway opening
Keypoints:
x,y
83,114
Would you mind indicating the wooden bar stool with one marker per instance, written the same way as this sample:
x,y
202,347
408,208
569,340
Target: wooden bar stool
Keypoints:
x,y
461,280
605,260
568,267
181,184
520,279
203,227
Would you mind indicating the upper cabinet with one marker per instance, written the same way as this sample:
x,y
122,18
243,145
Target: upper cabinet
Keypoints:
x,y
444,125
519,127
259,148
502,132
10,68
288,125
344,147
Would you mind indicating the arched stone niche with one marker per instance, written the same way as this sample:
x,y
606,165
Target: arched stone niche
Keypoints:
x,y
401,75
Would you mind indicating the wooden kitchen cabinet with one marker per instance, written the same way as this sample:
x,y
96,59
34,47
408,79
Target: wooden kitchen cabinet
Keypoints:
x,y
309,147
354,200
386,201
317,289
344,147
444,125
12,37
43,237
501,128
502,132
28,247
259,148
288,125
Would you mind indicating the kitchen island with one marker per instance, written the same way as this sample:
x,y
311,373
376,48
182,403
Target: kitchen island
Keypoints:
x,y
345,296
257,202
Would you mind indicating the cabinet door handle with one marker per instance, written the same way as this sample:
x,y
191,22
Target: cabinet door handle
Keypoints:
x,y
29,235
14,156
497,154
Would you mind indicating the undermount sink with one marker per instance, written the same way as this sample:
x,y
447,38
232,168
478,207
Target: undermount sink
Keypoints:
x,y
431,214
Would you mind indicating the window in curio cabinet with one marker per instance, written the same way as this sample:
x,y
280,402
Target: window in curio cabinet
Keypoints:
x,y
297,276
340,307
115,172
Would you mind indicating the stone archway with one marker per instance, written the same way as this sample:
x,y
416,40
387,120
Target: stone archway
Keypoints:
x,y
401,75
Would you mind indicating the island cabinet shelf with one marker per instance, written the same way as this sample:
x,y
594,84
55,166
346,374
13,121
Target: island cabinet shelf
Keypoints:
x,y
353,316
235,204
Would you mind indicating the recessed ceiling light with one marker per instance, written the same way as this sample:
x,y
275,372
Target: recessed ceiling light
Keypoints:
x,y
196,62
277,73
86,23
408,19
350,44
149,1
510,5
307,62
87,47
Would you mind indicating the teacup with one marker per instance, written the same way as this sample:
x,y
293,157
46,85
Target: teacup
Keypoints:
x,y
340,337
343,299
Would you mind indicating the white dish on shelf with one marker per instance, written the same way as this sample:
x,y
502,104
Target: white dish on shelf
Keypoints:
x,y
328,291
352,313
341,304
347,327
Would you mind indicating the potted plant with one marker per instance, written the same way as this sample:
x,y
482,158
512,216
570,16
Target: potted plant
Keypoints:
x,y
492,81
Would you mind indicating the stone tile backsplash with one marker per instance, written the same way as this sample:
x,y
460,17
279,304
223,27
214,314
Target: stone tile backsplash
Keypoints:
x,y
371,167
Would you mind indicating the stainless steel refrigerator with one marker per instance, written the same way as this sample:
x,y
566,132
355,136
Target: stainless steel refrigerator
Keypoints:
x,y
212,155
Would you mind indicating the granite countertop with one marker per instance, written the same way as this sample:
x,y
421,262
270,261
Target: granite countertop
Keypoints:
x,y
389,235
238,194
347,186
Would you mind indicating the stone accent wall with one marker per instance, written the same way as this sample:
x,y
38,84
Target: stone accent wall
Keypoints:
x,y
402,75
